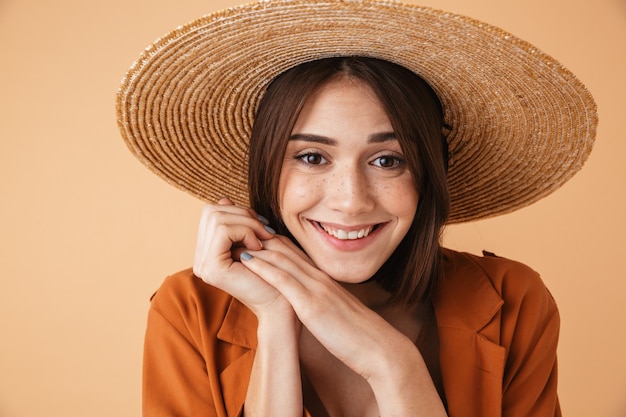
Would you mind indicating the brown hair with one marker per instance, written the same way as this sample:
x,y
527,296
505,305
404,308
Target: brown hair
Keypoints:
x,y
417,119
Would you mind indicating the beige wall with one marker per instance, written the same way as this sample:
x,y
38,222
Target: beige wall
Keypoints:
x,y
87,233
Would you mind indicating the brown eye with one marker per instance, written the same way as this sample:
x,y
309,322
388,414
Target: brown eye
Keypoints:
x,y
312,159
387,161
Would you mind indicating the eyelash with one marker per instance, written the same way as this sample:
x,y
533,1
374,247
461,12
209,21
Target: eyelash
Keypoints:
x,y
397,161
308,154
303,157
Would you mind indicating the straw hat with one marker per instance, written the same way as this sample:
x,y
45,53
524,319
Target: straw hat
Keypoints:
x,y
521,123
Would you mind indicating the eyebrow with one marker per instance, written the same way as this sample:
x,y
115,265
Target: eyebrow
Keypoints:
x,y
375,138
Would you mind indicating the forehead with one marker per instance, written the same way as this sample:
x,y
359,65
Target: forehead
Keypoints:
x,y
342,84
343,107
343,94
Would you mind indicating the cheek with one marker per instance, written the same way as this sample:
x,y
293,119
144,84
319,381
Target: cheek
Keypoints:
x,y
296,192
400,198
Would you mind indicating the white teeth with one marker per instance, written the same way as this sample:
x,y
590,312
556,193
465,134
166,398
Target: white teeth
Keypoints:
x,y
345,235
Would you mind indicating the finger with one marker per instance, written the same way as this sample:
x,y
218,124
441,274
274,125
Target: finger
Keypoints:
x,y
213,215
300,282
242,284
282,277
284,245
214,259
225,201
222,235
221,230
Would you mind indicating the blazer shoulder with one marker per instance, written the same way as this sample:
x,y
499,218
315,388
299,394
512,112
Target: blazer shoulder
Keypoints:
x,y
510,278
184,298
185,284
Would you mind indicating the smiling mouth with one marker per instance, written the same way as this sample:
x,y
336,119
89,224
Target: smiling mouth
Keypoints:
x,y
342,234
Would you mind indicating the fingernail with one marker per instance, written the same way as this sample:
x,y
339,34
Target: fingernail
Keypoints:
x,y
263,220
269,229
245,256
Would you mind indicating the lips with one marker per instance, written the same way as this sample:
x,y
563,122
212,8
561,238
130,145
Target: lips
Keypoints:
x,y
343,234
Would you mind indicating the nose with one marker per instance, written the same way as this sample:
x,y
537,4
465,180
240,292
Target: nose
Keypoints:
x,y
350,191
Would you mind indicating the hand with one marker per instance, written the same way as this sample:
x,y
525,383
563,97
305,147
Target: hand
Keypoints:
x,y
336,318
350,331
225,230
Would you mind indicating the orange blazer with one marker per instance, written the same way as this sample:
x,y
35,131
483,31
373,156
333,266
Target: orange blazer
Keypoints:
x,y
498,329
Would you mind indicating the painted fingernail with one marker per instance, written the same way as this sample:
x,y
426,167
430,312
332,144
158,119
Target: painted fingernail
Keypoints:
x,y
245,256
269,229
263,220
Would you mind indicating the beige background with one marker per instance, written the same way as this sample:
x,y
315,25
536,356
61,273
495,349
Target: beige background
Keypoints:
x,y
87,233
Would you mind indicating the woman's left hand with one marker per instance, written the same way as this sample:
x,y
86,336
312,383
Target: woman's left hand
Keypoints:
x,y
336,318
353,333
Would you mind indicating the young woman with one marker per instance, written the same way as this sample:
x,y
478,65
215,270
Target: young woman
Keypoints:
x,y
329,293
352,190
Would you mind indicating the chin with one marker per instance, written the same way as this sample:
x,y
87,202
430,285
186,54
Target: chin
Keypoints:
x,y
348,275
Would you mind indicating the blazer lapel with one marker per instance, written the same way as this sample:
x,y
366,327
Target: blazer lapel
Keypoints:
x,y
239,330
472,361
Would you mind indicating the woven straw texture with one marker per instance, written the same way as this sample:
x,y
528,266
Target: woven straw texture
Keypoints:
x,y
521,123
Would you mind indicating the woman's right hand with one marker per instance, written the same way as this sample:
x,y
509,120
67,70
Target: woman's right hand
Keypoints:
x,y
224,232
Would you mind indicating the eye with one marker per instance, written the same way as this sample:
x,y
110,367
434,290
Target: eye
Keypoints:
x,y
388,162
311,158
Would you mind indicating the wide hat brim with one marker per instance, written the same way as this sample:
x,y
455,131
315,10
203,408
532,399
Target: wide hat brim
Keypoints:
x,y
521,123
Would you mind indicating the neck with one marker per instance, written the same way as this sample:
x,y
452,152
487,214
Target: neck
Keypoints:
x,y
369,293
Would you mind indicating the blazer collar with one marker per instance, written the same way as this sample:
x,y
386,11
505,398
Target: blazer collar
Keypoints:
x,y
472,361
239,326
465,297
239,330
